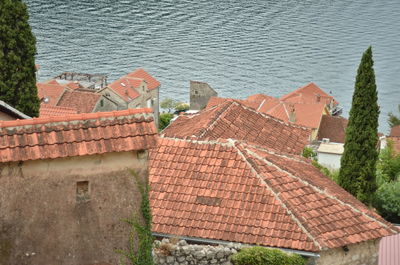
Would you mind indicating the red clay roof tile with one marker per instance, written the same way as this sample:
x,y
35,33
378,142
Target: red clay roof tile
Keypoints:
x,y
280,200
233,120
308,94
77,135
395,131
152,83
333,128
83,102
50,90
48,111
127,87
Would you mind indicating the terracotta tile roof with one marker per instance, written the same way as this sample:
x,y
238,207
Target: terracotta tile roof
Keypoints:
x,y
233,120
308,94
333,128
232,191
126,87
83,102
49,111
77,135
395,131
51,90
214,101
152,83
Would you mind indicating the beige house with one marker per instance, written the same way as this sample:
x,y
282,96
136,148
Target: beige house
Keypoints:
x,y
66,183
135,90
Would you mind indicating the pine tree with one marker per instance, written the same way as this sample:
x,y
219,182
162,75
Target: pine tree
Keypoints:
x,y
358,163
17,58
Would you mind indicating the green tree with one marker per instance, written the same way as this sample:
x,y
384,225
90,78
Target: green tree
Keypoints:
x,y
168,104
266,256
358,163
165,119
17,58
393,119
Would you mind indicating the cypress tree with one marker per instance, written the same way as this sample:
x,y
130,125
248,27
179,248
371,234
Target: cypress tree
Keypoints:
x,y
17,58
358,163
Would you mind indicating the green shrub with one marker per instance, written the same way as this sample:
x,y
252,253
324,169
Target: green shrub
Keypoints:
x,y
266,256
309,153
165,119
387,201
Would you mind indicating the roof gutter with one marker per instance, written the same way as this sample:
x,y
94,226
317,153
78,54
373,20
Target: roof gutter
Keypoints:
x,y
13,111
222,242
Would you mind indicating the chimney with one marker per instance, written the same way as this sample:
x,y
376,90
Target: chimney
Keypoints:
x,y
292,114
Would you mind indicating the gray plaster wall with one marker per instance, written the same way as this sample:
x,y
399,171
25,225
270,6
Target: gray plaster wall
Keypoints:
x,y
200,93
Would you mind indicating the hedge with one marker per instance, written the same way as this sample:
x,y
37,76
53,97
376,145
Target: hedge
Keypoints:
x,y
266,256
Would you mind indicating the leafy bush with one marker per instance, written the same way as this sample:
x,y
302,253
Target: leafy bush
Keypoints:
x,y
165,119
266,256
388,166
309,153
181,106
387,201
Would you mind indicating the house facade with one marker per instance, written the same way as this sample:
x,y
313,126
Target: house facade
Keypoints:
x,y
67,182
200,94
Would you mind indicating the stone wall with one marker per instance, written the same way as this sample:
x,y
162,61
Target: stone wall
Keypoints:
x,y
200,93
365,253
182,253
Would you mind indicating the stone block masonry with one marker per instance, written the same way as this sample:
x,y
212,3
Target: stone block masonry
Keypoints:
x,y
181,253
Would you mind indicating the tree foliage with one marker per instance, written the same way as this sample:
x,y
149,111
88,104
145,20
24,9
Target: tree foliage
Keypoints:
x,y
358,163
393,119
165,119
17,58
387,201
266,256
168,103
388,166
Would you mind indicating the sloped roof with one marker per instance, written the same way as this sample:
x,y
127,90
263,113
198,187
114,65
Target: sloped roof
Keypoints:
x,y
233,120
214,101
333,128
12,111
51,90
152,83
395,131
331,148
49,111
83,102
232,191
126,87
77,135
308,94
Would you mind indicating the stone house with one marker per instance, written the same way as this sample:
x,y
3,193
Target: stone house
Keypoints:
x,y
232,119
229,191
66,183
59,99
200,94
8,113
135,90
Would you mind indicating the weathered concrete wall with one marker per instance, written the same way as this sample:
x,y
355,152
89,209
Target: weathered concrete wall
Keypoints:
x,y
182,253
6,117
105,104
200,93
365,253
46,217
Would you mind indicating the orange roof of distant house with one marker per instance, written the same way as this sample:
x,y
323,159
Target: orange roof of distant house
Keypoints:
x,y
83,102
232,191
333,128
152,83
233,120
50,90
77,135
214,101
126,87
395,131
49,111
308,94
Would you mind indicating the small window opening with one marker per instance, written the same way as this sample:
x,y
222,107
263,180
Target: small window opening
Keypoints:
x,y
141,154
82,191
102,103
196,92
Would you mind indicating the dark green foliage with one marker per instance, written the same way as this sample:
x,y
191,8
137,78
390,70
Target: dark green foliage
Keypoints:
x,y
17,58
266,256
141,230
393,119
388,166
165,119
332,174
387,201
358,163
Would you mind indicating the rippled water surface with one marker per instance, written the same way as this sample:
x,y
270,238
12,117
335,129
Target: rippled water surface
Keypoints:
x,y
239,47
